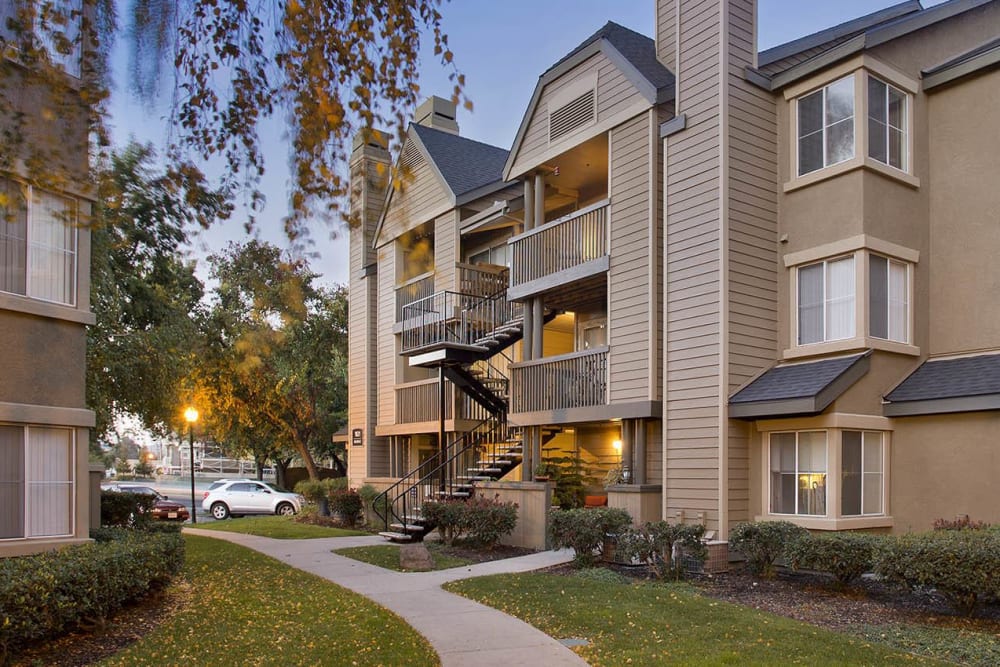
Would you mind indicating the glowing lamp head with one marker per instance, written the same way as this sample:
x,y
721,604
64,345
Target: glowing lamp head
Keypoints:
x,y
617,444
191,415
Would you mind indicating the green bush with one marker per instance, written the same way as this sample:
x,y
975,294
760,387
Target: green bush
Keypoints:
x,y
320,491
446,516
762,542
844,555
126,509
960,523
373,503
584,530
487,520
962,565
653,545
42,596
347,504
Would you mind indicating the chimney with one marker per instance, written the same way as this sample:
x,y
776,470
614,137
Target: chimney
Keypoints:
x,y
438,113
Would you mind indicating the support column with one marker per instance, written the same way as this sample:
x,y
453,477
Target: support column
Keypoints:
x,y
538,322
539,199
628,439
639,454
442,444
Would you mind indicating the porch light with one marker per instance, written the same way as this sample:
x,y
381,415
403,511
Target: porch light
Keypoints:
x,y
617,444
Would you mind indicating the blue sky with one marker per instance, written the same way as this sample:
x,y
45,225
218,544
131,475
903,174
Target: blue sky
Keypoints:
x,y
502,47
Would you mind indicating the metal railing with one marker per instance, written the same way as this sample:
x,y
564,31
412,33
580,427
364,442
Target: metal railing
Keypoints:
x,y
482,279
574,380
414,289
561,244
418,401
457,318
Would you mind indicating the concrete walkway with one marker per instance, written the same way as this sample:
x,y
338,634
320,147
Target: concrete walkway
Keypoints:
x,y
464,633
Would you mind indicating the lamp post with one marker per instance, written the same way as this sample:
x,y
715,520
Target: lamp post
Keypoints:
x,y
191,416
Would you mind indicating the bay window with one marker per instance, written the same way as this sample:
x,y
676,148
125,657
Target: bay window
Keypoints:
x,y
888,299
38,243
886,124
36,481
798,473
861,473
826,301
826,126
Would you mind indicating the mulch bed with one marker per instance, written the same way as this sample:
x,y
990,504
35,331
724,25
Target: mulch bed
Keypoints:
x,y
477,555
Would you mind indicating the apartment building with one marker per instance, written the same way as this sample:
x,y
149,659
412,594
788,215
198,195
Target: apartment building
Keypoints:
x,y
44,302
759,285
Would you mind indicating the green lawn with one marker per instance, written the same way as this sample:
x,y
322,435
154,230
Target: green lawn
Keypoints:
x,y
278,527
655,624
387,556
249,609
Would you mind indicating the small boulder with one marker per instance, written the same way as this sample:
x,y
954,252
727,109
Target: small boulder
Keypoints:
x,y
415,557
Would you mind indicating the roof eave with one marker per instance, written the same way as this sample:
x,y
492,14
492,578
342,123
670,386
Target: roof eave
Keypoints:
x,y
942,405
940,76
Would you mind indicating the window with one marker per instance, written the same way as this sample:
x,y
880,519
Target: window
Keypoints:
x,y
496,255
826,126
798,473
36,482
592,333
37,243
57,30
826,301
861,473
886,124
888,299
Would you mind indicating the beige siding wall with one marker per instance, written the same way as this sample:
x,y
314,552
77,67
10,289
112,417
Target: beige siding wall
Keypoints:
x,y
666,33
446,251
614,93
691,275
630,307
387,341
419,197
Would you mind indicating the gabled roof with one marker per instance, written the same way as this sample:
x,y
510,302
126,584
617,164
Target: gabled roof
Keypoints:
x,y
963,384
800,388
632,52
853,37
982,57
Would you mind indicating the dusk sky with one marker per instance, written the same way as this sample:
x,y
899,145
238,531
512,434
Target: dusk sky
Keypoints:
x,y
502,47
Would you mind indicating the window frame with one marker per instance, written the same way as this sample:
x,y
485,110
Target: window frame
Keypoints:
x,y
798,473
825,301
29,192
825,126
905,129
26,483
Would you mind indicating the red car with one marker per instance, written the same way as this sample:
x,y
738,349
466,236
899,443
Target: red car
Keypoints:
x,y
164,509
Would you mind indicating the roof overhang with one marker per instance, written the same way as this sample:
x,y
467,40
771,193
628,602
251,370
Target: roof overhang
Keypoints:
x,y
978,60
942,406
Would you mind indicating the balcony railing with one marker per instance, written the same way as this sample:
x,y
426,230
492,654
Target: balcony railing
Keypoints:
x,y
414,289
418,401
455,318
482,279
574,380
559,245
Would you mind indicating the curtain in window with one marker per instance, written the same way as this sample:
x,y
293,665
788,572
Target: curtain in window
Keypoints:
x,y
50,481
812,473
11,482
840,299
52,248
13,236
811,304
898,303
878,297
872,472
783,473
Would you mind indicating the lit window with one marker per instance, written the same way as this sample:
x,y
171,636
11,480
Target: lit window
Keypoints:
x,y
886,124
826,126
888,299
36,482
798,473
826,301
38,239
861,473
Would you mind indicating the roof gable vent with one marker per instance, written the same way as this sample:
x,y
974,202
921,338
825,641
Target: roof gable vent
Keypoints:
x,y
573,115
411,157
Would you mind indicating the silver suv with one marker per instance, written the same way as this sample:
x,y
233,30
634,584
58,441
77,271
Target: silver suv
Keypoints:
x,y
235,497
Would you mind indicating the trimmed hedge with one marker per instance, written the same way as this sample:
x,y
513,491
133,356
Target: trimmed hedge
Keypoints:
x,y
584,530
762,542
321,491
484,520
125,509
346,503
653,545
844,555
42,596
962,565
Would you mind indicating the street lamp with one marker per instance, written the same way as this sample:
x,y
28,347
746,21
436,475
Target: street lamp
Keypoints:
x,y
191,416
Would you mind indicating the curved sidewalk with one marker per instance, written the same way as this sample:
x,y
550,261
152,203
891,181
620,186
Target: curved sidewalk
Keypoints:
x,y
464,633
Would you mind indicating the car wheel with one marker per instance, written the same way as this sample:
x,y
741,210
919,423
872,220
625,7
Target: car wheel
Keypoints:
x,y
220,511
285,509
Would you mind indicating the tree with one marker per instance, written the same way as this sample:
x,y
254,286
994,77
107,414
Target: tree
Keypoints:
x,y
330,68
274,367
145,297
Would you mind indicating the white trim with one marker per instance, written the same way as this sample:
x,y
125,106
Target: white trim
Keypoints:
x,y
859,242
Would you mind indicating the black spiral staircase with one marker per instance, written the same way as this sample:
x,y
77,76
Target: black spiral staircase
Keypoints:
x,y
458,334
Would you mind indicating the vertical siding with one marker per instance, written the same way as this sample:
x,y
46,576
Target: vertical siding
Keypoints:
x,y
614,93
691,275
752,228
629,309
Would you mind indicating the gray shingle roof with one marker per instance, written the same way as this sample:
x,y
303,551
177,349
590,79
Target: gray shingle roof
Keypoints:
x,y
635,47
938,379
465,164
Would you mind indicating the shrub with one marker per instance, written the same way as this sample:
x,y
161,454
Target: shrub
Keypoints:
x,y
44,595
584,530
487,520
446,516
844,555
320,491
374,505
960,523
654,545
962,565
126,509
347,504
762,542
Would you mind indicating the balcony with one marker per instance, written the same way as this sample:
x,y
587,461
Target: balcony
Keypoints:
x,y
413,290
563,382
565,250
481,279
417,402
456,320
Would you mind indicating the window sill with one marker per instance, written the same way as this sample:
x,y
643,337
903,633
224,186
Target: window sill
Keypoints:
x,y
855,344
29,306
831,523
848,166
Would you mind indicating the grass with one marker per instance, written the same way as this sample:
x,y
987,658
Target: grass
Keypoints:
x,y
646,623
387,556
278,527
962,646
250,609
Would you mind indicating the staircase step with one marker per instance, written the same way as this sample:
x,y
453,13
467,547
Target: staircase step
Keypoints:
x,y
452,494
408,528
494,462
475,478
393,536
495,471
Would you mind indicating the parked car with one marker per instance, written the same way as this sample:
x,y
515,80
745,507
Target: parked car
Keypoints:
x,y
235,497
164,509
